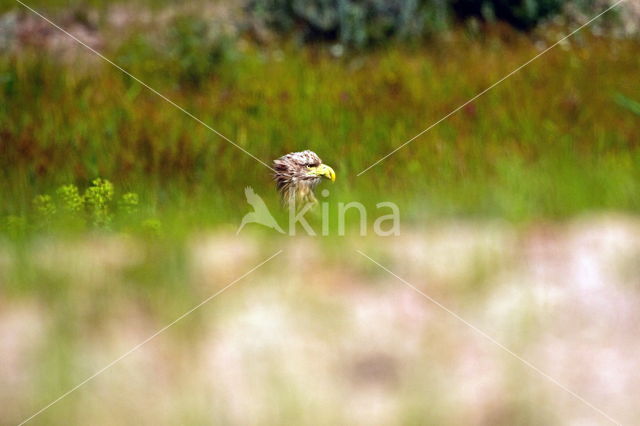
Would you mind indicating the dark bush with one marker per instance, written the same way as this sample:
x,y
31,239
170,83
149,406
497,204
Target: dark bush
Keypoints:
x,y
353,22
365,22
196,49
189,48
522,14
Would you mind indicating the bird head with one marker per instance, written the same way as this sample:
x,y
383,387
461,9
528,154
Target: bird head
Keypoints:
x,y
298,173
321,171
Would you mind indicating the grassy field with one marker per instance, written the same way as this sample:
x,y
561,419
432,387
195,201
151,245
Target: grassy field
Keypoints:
x,y
496,209
552,141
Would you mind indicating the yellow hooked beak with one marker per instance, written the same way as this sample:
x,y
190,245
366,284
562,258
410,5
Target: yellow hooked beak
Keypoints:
x,y
324,171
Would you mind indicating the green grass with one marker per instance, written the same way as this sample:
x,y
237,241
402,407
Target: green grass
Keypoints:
x,y
551,141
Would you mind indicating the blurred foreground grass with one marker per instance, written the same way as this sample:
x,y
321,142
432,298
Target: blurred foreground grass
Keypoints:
x,y
321,335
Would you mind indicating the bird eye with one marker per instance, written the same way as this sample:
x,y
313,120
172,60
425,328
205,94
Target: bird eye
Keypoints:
x,y
308,166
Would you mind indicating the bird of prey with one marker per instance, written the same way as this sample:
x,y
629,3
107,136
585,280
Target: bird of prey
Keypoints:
x,y
260,213
297,174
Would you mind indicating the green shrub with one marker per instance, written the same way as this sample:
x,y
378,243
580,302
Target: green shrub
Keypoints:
x,y
189,51
98,199
129,203
522,14
70,199
196,49
362,22
44,208
353,22
68,210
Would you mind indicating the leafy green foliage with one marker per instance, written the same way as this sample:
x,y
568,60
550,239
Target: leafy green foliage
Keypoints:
x,y
96,208
194,47
44,208
129,203
357,23
190,49
70,199
98,198
522,14
365,22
